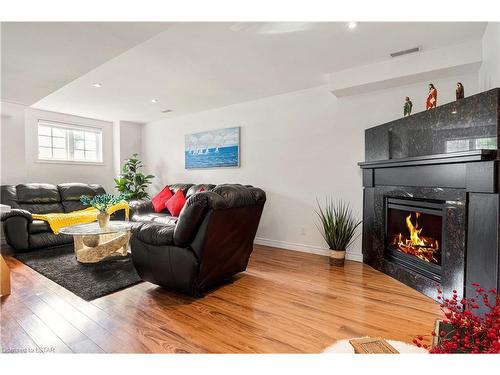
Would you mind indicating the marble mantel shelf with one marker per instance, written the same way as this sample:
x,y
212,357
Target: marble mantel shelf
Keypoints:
x,y
455,157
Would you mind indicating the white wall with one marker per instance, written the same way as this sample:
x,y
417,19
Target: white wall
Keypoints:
x,y
130,139
12,152
489,74
127,140
297,147
19,150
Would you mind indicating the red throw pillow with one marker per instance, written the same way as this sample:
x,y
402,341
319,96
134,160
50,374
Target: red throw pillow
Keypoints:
x,y
176,203
160,199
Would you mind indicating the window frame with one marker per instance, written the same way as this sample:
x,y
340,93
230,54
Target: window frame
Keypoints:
x,y
69,129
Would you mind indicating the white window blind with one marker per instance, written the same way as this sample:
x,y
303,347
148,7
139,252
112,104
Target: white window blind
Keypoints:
x,y
67,142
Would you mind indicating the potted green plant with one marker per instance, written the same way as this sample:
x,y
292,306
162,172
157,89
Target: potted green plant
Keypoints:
x,y
102,203
132,181
338,226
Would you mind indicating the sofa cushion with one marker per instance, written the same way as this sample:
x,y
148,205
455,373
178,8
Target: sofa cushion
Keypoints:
x,y
153,217
166,220
140,206
39,226
49,239
39,198
198,189
38,193
160,199
236,195
153,233
42,208
72,192
176,203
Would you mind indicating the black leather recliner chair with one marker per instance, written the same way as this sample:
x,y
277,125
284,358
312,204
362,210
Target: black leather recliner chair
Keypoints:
x,y
22,232
210,241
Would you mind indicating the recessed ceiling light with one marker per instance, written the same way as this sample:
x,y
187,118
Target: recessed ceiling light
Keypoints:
x,y
352,25
154,101
97,85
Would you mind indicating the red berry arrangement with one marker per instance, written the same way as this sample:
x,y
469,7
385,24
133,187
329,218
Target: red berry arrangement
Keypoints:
x,y
469,332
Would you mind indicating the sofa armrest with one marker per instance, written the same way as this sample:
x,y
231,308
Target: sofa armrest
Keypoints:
x,y
16,228
140,207
154,233
118,215
16,212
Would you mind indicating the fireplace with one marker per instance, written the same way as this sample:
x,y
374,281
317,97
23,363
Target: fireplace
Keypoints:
x,y
414,235
431,213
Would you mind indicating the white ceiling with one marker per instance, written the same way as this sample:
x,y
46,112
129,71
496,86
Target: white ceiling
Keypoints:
x,y
192,67
41,57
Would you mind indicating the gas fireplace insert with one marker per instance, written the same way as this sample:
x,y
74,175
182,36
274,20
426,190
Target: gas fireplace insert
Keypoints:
x,y
414,235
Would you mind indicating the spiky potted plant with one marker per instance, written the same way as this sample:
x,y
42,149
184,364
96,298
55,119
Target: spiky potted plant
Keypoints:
x,y
338,226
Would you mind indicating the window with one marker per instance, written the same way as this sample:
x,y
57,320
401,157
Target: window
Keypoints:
x,y
65,142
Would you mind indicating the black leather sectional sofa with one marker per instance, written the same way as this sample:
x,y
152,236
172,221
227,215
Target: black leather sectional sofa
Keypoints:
x,y
23,233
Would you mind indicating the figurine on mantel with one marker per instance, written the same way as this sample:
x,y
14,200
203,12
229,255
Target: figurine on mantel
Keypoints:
x,y
431,101
460,91
407,107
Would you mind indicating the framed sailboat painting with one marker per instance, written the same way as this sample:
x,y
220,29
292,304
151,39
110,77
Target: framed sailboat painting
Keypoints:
x,y
213,149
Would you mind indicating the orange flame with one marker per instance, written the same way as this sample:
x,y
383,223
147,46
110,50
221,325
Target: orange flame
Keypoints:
x,y
422,247
415,239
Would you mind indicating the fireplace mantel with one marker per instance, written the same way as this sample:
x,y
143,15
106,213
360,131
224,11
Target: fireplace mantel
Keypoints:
x,y
453,157
414,158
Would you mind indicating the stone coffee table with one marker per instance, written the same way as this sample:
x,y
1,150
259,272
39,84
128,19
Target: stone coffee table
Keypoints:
x,y
93,244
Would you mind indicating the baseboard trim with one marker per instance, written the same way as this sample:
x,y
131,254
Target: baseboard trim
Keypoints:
x,y
303,248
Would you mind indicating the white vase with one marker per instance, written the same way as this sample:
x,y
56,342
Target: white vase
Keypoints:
x,y
103,220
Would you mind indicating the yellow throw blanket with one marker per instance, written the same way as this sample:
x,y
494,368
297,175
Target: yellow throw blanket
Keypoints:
x,y
88,215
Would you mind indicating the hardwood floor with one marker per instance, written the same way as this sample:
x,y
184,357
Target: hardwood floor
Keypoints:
x,y
286,302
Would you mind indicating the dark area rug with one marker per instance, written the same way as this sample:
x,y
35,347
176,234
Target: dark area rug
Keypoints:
x,y
88,281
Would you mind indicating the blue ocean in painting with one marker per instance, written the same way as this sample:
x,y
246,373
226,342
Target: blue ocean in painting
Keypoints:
x,y
212,157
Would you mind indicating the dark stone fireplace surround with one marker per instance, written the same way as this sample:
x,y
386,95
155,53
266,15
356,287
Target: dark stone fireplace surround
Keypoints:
x,y
408,159
428,215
